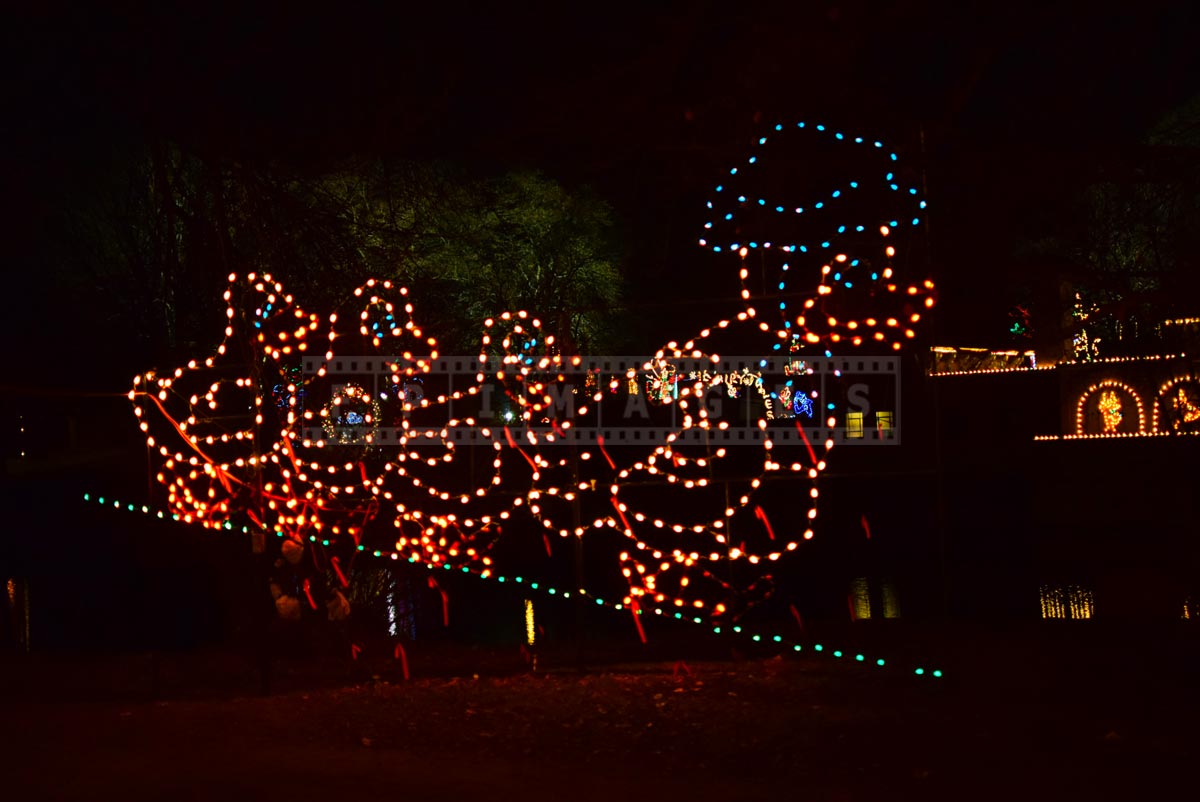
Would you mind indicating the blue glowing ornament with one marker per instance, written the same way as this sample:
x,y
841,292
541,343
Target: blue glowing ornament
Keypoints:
x,y
802,404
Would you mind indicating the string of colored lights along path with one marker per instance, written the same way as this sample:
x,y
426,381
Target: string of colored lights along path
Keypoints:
x,y
756,637
230,451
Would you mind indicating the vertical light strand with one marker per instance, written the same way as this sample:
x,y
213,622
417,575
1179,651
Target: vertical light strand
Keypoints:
x,y
530,624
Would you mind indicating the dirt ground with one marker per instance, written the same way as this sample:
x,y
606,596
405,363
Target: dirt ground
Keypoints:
x,y
1015,719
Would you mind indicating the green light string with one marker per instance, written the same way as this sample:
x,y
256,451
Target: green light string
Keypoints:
x,y
819,648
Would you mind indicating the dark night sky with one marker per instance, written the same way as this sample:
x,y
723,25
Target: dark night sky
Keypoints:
x,y
648,106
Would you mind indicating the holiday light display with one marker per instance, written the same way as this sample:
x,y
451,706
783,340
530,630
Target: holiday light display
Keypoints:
x,y
1109,406
1112,360
1177,406
947,361
1185,408
353,416
233,454
1110,410
853,255
1175,410
1086,348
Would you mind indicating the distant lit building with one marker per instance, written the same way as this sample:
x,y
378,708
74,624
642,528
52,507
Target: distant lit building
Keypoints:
x,y
1088,461
1127,396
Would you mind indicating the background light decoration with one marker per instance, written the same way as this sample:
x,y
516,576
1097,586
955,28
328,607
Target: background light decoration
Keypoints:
x,y
1175,410
1108,394
1110,410
1185,407
1177,406
943,354
229,431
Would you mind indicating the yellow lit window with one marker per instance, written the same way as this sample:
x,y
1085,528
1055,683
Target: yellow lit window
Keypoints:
x,y
891,604
885,424
854,424
860,596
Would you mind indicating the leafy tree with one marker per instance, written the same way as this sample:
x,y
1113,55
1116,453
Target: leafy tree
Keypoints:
x,y
480,247
149,238
1119,256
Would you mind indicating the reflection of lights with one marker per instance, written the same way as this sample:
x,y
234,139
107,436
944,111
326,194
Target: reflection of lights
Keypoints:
x,y
530,627
860,594
891,604
391,607
1071,601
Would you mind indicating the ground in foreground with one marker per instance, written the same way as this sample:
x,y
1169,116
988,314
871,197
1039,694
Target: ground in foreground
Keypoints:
x,y
714,730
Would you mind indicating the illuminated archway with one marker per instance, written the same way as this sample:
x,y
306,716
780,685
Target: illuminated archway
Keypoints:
x,y
1109,411
1177,406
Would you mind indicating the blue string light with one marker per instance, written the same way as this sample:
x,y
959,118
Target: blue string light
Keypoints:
x,y
822,323
729,216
